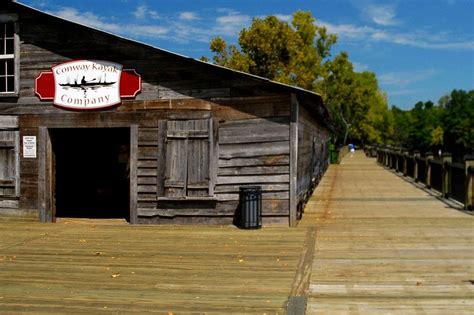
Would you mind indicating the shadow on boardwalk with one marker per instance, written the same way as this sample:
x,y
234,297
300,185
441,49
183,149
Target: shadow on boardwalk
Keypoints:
x,y
385,246
382,246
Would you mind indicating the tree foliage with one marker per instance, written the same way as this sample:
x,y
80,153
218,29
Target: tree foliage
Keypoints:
x,y
298,53
446,126
276,50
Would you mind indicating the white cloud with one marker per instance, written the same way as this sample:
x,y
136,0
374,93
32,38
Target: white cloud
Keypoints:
x,y
140,12
233,19
143,11
284,17
348,30
382,14
360,67
231,24
188,16
405,78
90,19
427,40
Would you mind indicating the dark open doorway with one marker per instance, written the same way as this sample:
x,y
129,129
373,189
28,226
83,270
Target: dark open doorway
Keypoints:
x,y
91,167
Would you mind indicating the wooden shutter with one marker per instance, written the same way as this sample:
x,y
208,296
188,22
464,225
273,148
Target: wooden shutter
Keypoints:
x,y
176,158
9,157
198,158
187,158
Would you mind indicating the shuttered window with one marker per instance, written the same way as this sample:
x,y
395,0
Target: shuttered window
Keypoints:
x,y
9,144
188,144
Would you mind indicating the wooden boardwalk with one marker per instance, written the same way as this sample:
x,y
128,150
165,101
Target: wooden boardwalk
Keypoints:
x,y
384,246
380,246
79,267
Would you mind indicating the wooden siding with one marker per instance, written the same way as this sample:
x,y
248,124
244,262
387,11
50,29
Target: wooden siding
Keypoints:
x,y
251,133
9,162
255,152
312,153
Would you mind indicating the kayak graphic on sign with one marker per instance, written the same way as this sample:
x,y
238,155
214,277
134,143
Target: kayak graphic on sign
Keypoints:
x,y
87,84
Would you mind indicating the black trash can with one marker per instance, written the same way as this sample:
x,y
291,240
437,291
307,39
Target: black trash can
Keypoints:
x,y
251,207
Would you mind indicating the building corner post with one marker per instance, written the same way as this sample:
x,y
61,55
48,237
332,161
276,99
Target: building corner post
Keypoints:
x,y
294,113
133,160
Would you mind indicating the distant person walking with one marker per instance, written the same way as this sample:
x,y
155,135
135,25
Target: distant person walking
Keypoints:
x,y
351,149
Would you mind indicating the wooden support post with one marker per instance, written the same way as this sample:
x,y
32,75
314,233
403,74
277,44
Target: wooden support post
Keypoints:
x,y
416,155
46,203
294,160
429,157
405,163
446,177
133,174
469,186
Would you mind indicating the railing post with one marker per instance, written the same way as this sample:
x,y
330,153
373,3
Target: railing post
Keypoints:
x,y
446,158
405,166
416,155
429,156
469,186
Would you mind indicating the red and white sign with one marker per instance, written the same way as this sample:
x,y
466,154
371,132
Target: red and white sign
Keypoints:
x,y
87,84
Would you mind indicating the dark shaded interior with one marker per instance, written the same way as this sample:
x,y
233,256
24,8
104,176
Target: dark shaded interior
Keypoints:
x,y
92,172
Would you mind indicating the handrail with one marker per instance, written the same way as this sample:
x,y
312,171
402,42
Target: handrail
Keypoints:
x,y
452,180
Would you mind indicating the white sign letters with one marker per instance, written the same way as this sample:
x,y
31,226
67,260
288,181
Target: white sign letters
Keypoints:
x,y
87,84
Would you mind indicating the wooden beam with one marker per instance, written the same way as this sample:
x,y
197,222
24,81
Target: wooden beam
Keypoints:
x,y
161,158
293,160
133,173
45,176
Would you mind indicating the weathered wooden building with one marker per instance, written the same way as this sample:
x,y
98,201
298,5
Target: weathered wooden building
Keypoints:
x,y
176,150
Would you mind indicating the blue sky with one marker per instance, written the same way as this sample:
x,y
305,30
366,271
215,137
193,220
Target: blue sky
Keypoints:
x,y
419,49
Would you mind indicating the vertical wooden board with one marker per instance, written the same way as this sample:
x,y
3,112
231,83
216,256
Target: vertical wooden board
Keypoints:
x,y
17,163
293,159
133,173
213,154
198,160
4,153
8,167
161,158
42,147
176,161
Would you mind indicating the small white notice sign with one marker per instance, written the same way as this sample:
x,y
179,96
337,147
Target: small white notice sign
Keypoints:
x,y
29,147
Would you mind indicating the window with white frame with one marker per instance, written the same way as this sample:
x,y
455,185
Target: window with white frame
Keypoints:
x,y
7,56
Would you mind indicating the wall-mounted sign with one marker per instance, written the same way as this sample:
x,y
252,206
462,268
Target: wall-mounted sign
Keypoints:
x,y
87,84
29,147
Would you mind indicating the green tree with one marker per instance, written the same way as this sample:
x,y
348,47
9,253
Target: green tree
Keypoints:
x,y
402,125
274,49
459,121
297,53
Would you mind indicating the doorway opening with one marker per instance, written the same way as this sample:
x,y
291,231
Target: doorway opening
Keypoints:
x,y
91,172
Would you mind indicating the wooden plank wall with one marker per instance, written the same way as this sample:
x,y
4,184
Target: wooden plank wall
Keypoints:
x,y
312,153
252,115
254,150
147,149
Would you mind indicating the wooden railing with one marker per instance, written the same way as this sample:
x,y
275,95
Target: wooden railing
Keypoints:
x,y
452,180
